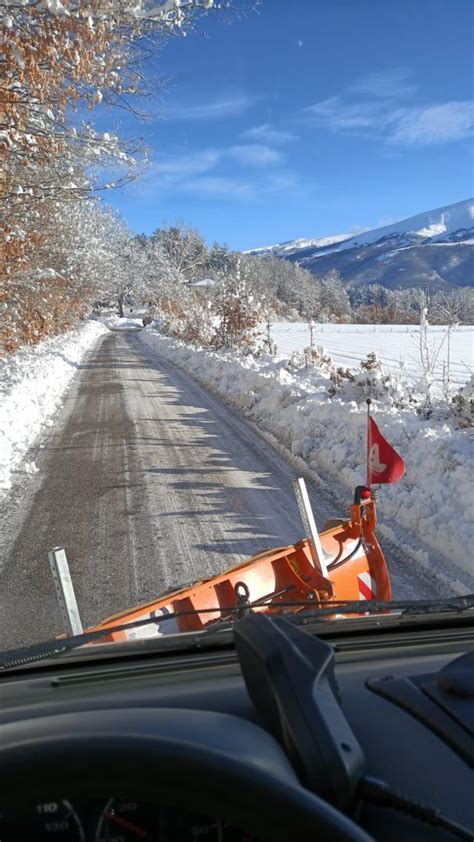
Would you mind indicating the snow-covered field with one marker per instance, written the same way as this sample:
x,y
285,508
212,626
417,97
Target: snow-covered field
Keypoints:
x,y
397,346
430,510
32,386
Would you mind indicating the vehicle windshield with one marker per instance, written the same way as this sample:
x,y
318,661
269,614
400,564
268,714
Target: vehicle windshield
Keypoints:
x,y
236,344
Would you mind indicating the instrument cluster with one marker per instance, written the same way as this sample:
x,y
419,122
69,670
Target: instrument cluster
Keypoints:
x,y
117,820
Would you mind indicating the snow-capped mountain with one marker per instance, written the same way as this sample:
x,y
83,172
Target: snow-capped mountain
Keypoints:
x,y
435,247
287,248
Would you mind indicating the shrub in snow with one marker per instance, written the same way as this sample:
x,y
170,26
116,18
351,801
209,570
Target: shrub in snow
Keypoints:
x,y
271,347
188,317
340,376
463,405
372,381
318,358
429,354
239,314
296,361
260,345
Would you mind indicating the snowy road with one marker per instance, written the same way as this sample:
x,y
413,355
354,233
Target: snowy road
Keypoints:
x,y
148,481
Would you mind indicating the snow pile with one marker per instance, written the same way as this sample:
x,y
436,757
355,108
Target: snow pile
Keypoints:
x,y
433,502
123,323
32,385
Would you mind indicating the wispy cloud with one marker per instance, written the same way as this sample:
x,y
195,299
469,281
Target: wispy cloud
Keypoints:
x,y
434,124
171,168
176,166
285,181
339,115
221,173
219,187
255,155
216,109
385,84
268,135
374,106
275,182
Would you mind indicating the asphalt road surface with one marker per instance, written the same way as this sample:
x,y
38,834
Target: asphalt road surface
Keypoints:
x,y
148,481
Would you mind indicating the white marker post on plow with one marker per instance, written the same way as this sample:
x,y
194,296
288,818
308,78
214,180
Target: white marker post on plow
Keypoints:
x,y
368,402
309,524
65,591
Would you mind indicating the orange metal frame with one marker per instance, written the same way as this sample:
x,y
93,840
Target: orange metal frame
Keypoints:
x,y
274,577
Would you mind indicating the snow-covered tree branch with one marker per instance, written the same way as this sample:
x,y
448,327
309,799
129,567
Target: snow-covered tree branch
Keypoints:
x,y
61,60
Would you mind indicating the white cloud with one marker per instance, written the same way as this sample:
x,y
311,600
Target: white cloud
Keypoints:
x,y
236,189
220,173
268,135
283,182
170,169
339,115
434,124
255,155
175,166
385,84
215,110
380,116
219,186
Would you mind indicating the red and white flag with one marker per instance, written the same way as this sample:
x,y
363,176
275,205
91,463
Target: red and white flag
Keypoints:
x,y
384,463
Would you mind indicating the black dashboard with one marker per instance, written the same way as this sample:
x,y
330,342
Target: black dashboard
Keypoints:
x,y
115,820
203,764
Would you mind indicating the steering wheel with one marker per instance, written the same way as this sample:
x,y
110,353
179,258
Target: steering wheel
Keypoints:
x,y
209,762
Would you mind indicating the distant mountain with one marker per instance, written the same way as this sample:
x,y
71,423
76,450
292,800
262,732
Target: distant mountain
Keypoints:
x,y
285,249
436,247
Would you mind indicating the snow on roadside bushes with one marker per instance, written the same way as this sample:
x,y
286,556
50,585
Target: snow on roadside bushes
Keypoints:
x,y
32,386
123,322
433,502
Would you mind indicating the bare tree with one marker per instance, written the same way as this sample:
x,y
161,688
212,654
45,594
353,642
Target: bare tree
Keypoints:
x,y
448,308
179,254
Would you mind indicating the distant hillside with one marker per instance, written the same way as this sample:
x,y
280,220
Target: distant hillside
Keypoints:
x,y
436,247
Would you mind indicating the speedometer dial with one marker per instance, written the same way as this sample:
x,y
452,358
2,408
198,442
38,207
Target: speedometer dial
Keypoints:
x,y
46,820
130,821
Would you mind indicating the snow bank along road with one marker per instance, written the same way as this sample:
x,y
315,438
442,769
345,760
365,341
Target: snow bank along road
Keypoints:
x,y
148,481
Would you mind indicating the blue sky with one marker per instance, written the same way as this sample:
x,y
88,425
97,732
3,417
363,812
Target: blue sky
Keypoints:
x,y
309,118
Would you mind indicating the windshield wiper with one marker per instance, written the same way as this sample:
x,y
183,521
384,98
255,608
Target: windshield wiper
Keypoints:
x,y
399,607
26,655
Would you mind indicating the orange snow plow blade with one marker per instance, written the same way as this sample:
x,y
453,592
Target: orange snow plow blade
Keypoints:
x,y
273,581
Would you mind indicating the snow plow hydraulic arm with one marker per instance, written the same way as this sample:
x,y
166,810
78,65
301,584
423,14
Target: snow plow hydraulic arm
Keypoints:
x,y
342,563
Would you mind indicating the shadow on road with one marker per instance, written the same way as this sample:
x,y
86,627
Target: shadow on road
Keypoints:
x,y
147,481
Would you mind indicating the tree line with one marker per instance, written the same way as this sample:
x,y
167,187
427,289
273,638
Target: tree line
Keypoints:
x,y
217,297
62,61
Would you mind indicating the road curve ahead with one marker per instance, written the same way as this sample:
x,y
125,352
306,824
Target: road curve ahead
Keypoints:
x,y
148,481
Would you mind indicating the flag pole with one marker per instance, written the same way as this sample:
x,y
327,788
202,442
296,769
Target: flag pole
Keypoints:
x,y
368,402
